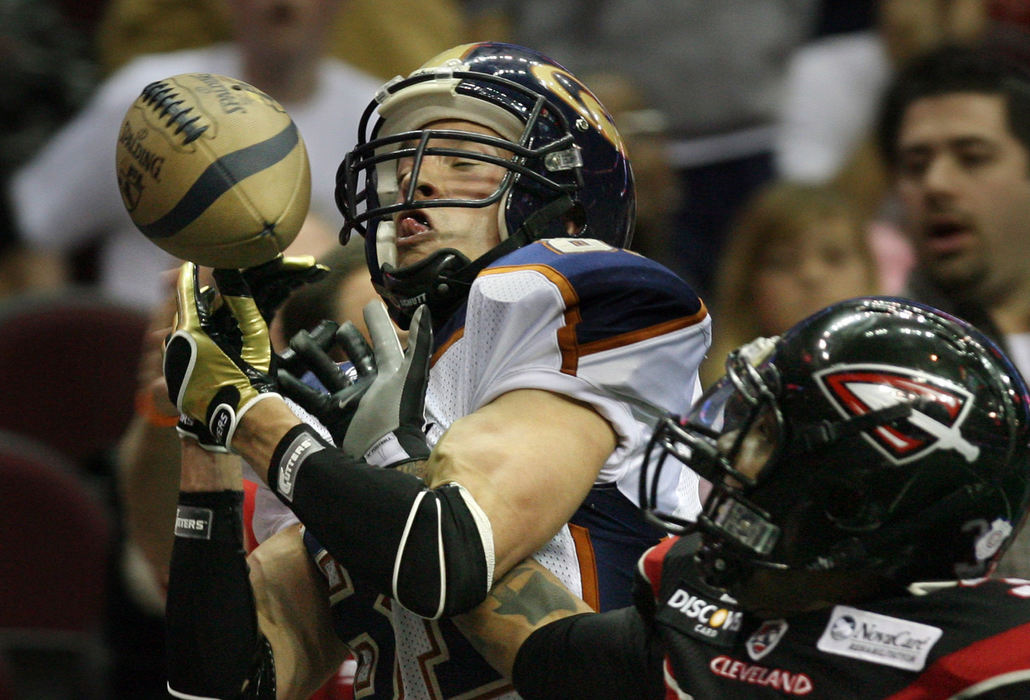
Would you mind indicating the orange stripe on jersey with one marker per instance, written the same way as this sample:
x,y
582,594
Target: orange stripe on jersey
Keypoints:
x,y
455,337
587,566
567,342
618,341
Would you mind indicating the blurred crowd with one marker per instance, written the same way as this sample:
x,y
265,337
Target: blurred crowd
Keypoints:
x,y
751,126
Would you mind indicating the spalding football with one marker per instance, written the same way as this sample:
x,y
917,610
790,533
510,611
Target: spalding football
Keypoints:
x,y
213,170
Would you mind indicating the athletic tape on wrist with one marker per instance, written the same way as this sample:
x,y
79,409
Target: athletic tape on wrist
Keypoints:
x,y
210,515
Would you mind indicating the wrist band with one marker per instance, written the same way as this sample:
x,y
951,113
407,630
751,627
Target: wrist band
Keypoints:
x,y
147,410
299,443
210,515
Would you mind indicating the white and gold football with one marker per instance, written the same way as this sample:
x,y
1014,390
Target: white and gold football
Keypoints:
x,y
213,170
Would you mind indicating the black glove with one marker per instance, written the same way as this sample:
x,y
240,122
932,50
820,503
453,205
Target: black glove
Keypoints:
x,y
272,282
335,406
376,414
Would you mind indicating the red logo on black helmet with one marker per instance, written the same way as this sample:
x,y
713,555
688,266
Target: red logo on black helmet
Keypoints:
x,y
855,390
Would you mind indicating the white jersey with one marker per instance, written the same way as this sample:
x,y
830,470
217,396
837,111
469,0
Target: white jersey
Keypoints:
x,y
603,326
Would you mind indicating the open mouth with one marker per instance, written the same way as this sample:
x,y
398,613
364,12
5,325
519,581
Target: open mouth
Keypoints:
x,y
412,223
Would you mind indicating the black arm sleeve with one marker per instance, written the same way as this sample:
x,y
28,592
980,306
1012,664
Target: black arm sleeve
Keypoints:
x,y
590,656
213,643
427,548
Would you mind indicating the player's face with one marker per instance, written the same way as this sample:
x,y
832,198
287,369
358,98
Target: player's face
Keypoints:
x,y
749,449
963,181
797,277
471,230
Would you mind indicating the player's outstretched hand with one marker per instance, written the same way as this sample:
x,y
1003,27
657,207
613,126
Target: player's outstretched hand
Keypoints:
x,y
344,385
386,429
272,282
214,374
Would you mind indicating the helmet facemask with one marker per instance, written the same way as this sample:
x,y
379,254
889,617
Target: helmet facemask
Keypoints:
x,y
732,438
542,165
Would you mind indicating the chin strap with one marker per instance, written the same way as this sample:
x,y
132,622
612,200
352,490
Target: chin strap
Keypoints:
x,y
823,433
442,280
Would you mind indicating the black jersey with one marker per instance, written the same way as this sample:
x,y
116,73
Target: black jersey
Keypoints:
x,y
958,639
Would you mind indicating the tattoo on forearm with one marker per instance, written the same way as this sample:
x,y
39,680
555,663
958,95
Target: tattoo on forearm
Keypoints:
x,y
535,600
414,468
521,601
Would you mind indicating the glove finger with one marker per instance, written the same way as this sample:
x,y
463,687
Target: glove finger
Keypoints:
x,y
271,283
189,314
323,335
257,349
388,351
318,361
308,398
356,348
302,269
417,357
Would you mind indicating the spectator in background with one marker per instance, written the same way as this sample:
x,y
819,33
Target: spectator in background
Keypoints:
x,y
835,86
955,134
714,69
66,197
644,132
834,83
383,39
795,248
48,74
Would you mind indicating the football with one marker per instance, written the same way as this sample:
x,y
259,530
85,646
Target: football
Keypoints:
x,y
213,171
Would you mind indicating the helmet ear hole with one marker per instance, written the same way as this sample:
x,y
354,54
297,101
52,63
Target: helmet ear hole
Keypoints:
x,y
850,507
575,219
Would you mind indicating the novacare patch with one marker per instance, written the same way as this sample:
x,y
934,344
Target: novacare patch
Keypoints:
x,y
302,447
879,639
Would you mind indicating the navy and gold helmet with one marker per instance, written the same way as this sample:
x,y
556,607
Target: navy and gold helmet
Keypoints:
x,y
568,165
890,437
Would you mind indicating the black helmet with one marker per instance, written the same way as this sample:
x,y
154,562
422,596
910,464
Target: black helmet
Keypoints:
x,y
569,163
894,438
